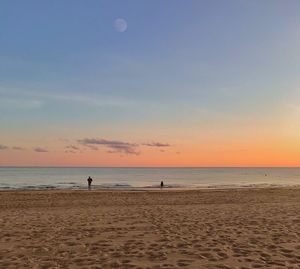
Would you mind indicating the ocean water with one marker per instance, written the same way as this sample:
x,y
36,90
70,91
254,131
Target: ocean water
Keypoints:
x,y
75,178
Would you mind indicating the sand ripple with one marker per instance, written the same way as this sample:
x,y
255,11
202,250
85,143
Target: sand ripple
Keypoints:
x,y
177,229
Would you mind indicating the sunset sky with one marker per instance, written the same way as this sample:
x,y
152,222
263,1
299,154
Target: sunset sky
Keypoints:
x,y
150,83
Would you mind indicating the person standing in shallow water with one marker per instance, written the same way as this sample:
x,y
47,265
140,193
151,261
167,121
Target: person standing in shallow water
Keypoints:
x,y
89,180
161,184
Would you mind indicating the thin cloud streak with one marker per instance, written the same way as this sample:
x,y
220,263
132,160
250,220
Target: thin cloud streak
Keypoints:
x,y
72,149
20,97
18,148
156,144
3,147
20,103
42,150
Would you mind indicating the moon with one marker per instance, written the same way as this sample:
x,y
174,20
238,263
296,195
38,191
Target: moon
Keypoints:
x,y
120,25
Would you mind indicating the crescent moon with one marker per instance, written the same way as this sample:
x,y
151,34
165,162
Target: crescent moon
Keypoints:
x,y
120,25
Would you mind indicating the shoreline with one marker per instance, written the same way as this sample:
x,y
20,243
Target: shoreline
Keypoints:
x,y
158,189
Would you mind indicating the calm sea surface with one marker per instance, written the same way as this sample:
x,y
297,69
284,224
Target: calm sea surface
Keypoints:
x,y
75,178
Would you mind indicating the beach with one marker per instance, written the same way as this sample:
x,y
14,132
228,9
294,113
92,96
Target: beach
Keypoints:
x,y
209,228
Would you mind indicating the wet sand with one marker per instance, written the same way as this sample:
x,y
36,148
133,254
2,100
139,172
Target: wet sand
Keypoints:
x,y
246,228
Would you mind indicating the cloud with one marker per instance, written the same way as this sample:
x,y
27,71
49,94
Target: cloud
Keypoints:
x,y
38,149
2,147
18,103
72,149
91,100
24,98
113,145
157,144
92,147
18,148
17,100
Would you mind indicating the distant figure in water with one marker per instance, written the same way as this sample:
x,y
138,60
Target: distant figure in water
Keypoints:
x,y
89,180
161,184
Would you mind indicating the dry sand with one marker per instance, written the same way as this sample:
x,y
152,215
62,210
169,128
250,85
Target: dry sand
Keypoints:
x,y
253,228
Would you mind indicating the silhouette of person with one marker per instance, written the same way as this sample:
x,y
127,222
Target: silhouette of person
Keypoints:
x,y
89,180
161,184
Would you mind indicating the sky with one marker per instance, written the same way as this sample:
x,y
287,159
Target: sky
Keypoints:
x,y
150,83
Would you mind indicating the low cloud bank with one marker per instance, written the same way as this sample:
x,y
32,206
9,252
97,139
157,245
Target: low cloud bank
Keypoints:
x,y
113,145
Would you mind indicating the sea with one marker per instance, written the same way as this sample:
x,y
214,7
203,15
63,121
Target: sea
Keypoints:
x,y
22,178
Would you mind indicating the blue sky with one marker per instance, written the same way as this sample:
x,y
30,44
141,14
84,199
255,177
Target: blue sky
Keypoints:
x,y
201,65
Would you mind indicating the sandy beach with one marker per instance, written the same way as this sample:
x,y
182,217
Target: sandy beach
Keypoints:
x,y
246,228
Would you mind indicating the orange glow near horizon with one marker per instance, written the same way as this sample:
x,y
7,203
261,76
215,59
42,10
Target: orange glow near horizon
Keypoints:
x,y
217,145
267,154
